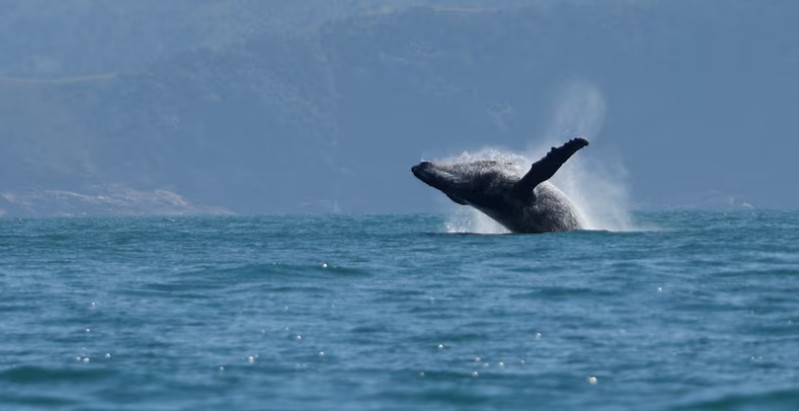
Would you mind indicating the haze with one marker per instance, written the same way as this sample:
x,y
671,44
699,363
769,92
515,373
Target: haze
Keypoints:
x,y
258,107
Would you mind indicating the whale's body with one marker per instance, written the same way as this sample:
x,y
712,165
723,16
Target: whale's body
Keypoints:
x,y
523,204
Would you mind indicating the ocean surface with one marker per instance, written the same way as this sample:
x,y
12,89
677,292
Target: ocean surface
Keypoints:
x,y
696,311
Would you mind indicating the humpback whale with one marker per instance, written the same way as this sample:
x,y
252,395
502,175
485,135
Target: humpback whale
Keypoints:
x,y
523,204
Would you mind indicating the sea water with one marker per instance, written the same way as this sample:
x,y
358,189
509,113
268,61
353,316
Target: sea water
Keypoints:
x,y
700,310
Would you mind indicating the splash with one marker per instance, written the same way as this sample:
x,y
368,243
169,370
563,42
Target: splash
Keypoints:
x,y
468,220
579,109
595,184
599,192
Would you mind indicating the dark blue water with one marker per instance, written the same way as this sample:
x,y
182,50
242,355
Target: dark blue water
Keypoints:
x,y
393,313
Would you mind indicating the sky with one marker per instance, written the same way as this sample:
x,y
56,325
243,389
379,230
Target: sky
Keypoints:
x,y
261,107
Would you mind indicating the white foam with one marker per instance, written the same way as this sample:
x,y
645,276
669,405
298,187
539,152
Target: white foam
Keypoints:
x,y
469,220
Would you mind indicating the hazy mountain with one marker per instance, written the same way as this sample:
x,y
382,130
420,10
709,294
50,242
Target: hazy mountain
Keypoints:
x,y
283,106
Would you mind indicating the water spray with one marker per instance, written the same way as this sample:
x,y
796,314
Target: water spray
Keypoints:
x,y
596,188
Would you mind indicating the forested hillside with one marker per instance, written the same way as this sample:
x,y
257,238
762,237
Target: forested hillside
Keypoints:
x,y
260,107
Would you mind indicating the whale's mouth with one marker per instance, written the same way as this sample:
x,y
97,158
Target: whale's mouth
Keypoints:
x,y
426,172
419,169
438,178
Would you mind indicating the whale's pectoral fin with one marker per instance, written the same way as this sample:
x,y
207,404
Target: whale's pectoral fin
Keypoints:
x,y
456,199
546,167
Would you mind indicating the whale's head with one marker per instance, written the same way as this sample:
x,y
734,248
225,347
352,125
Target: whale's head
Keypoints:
x,y
483,184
